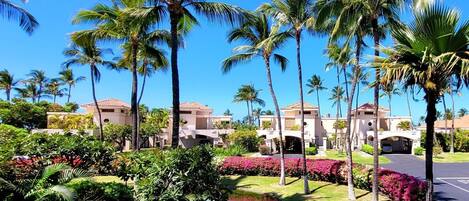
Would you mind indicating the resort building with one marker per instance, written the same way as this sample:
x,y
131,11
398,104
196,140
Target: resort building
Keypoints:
x,y
198,125
444,126
112,111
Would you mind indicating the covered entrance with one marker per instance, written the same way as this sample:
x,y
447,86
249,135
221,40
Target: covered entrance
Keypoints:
x,y
292,145
396,144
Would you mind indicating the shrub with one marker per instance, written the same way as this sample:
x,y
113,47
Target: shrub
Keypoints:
x,y
245,138
369,149
88,190
419,151
311,150
295,128
266,125
117,134
437,150
396,185
264,150
404,125
234,150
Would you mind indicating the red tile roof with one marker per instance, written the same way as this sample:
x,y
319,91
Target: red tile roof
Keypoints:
x,y
112,102
297,106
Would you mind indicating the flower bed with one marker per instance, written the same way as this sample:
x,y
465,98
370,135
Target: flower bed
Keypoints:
x,y
395,185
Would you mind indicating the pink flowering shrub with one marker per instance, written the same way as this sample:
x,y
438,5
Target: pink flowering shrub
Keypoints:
x,y
395,185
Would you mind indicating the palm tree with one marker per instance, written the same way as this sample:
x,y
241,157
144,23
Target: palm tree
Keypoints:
x,y
463,112
257,114
339,58
89,54
29,91
12,11
389,90
227,113
249,94
48,185
242,96
68,78
315,85
39,78
7,82
54,89
263,40
181,19
428,54
362,80
337,95
298,16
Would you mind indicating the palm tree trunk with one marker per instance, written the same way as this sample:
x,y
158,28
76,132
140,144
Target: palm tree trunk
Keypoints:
x,y
39,93
55,98
355,133
100,122
69,93
300,79
430,121
345,81
133,100
174,16
338,99
410,111
445,115
453,115
249,112
319,104
279,120
375,188
143,83
8,93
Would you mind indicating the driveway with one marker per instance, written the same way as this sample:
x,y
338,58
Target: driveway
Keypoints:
x,y
451,179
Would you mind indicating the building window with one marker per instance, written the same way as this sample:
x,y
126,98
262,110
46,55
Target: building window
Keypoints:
x,y
370,124
307,112
369,113
107,110
106,120
185,112
122,111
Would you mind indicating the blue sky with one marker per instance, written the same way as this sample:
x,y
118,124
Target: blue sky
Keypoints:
x,y
201,79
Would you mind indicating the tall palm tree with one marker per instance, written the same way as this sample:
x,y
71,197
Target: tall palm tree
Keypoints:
x,y
249,94
257,114
262,40
29,91
181,19
339,58
298,16
315,83
389,90
12,11
68,78
7,83
39,78
362,80
337,95
93,56
428,54
243,96
463,112
54,88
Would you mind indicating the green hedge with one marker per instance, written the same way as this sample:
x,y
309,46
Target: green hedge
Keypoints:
x,y
245,138
88,190
461,140
311,150
369,149
419,151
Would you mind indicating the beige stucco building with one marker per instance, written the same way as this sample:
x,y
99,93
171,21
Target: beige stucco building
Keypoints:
x,y
112,111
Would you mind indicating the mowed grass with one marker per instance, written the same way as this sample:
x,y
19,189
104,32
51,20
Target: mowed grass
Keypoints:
x,y
293,191
356,156
458,157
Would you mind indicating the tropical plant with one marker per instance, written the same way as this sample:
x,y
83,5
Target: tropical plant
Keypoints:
x,y
7,83
55,90
429,53
12,11
297,16
315,83
249,94
23,114
68,78
389,90
28,91
40,80
337,95
463,112
89,54
48,185
227,113
404,125
117,134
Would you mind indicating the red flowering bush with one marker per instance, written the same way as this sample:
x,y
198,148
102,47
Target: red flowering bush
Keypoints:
x,y
395,185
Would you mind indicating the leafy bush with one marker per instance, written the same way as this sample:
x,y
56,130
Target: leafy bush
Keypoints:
x,y
245,138
396,185
22,114
243,126
88,190
437,150
419,151
266,125
295,128
179,174
311,150
404,125
69,122
234,150
264,150
461,141
117,134
369,149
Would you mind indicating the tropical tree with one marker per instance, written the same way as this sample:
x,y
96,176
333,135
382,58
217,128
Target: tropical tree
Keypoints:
x,y
362,80
68,78
339,58
227,113
12,11
315,84
262,40
88,53
389,90
28,91
7,83
39,78
463,112
54,88
47,185
428,54
250,95
337,95
297,16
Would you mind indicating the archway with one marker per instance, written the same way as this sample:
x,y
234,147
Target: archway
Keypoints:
x,y
396,144
292,145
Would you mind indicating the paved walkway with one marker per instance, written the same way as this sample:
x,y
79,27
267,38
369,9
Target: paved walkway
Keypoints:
x,y
451,179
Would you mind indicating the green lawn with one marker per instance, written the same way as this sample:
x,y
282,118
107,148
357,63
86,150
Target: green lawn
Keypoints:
x,y
293,191
458,157
356,156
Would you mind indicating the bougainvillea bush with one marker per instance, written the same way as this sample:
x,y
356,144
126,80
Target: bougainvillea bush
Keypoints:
x,y
395,185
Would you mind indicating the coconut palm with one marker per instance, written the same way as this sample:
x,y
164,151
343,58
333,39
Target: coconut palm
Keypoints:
x,y
337,95
28,91
262,40
339,58
91,55
428,54
54,88
7,83
297,16
12,11
362,80
68,78
47,185
389,90
39,78
250,95
228,113
463,112
315,84
243,96
256,113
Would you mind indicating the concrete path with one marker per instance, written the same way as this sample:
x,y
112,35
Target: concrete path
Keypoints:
x,y
451,179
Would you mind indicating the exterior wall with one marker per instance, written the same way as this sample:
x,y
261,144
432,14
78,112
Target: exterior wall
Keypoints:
x,y
119,116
